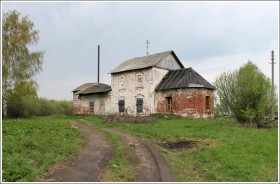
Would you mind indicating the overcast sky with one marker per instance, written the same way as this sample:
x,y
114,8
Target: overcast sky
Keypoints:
x,y
210,37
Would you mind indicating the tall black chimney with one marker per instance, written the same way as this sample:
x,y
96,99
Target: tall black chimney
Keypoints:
x,y
98,63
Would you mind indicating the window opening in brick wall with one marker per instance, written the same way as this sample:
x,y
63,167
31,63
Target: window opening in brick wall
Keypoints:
x,y
169,104
207,102
91,106
121,105
139,104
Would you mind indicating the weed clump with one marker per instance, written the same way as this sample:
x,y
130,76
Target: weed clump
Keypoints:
x,y
119,119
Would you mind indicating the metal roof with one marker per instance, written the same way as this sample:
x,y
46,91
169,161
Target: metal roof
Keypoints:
x,y
144,62
183,78
91,88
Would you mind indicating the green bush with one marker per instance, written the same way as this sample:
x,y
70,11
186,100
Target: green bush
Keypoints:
x,y
25,106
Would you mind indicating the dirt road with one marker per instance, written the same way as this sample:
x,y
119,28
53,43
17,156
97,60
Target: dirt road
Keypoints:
x,y
153,167
90,162
94,157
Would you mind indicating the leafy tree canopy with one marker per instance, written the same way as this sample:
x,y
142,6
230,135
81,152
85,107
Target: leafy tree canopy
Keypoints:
x,y
245,94
18,62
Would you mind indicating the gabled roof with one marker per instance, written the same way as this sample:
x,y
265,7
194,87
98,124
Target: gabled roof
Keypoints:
x,y
144,62
91,88
183,78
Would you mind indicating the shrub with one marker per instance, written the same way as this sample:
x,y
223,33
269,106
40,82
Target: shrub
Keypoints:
x,y
25,106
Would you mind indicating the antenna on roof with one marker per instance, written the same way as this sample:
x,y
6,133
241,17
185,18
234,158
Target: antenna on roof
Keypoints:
x,y
147,42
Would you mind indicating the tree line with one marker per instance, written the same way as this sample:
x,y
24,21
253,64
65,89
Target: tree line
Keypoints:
x,y
19,67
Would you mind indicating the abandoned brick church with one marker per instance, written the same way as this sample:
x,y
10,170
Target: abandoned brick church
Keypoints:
x,y
146,85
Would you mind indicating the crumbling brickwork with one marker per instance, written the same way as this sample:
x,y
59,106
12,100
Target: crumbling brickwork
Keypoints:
x,y
189,102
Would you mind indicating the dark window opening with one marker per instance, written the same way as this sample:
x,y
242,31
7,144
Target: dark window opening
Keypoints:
x,y
169,104
207,102
139,104
121,105
91,106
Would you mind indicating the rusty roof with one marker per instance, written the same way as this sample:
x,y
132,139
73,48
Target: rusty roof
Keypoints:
x,y
144,62
183,78
91,88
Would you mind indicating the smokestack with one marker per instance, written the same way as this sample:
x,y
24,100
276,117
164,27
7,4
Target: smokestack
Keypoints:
x,y
98,59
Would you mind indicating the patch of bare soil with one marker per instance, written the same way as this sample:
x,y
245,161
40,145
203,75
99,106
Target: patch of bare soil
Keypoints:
x,y
179,145
89,164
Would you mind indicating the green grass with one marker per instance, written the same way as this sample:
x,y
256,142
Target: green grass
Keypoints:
x,y
32,146
232,153
227,152
122,167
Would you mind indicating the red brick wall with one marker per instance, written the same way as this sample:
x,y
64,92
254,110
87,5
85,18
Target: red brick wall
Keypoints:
x,y
186,102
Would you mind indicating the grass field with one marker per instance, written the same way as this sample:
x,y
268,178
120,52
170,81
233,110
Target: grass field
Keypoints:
x,y
226,152
31,146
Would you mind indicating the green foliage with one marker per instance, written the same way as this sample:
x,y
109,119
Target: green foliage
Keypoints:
x,y
32,146
22,100
19,64
230,153
21,105
245,94
50,107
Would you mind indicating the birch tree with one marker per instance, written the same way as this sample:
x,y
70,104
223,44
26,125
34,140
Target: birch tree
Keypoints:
x,y
18,62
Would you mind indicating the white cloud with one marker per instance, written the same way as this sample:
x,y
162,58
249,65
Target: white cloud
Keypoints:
x,y
208,36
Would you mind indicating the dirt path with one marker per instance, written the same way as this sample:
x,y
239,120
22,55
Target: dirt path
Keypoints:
x,y
90,162
153,167
95,156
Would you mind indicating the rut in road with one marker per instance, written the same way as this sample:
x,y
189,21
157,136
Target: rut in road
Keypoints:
x,y
94,157
153,167
89,164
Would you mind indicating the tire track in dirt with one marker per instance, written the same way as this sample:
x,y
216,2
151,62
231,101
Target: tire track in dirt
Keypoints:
x,y
91,160
153,167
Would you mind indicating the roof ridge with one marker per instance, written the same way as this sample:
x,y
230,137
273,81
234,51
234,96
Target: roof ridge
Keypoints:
x,y
144,62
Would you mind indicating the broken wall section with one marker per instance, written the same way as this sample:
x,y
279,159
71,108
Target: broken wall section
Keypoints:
x,y
189,102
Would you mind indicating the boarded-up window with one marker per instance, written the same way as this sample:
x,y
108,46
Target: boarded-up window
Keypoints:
x,y
139,104
121,105
190,102
169,104
207,102
91,106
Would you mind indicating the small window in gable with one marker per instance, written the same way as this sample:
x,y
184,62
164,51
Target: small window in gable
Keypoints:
x,y
121,105
139,105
